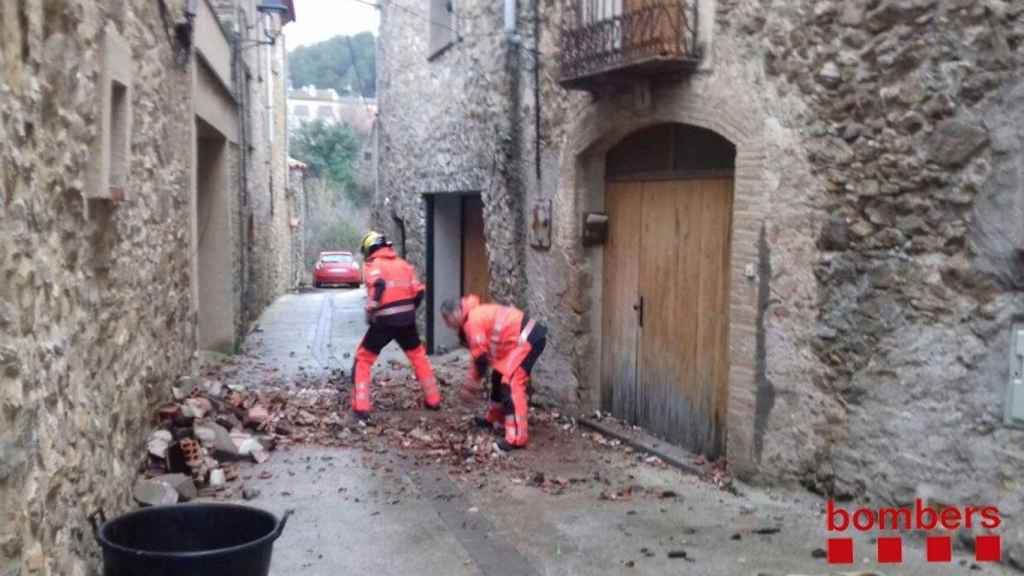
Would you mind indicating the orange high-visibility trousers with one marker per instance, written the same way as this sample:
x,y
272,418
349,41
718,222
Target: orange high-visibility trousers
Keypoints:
x,y
515,368
376,338
361,376
517,410
424,375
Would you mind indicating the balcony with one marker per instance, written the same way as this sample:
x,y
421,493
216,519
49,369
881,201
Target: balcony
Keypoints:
x,y
614,41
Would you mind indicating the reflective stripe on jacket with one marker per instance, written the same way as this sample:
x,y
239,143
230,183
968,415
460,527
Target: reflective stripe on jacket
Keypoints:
x,y
392,289
493,330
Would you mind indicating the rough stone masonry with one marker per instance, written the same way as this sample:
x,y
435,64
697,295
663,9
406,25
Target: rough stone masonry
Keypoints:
x,y
914,119
97,313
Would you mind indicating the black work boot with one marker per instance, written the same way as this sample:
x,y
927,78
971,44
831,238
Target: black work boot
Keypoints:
x,y
361,417
495,428
504,446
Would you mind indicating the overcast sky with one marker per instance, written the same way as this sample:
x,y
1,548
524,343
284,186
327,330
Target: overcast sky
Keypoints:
x,y
318,20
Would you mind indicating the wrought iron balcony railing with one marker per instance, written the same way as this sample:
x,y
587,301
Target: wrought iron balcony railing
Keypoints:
x,y
603,38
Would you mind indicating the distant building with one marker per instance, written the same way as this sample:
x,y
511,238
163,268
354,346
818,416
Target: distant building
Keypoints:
x,y
311,103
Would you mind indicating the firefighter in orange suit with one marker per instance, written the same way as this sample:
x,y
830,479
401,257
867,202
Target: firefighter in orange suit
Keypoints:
x,y
393,294
507,339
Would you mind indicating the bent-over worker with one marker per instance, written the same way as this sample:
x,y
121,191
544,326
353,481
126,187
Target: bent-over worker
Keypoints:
x,y
505,338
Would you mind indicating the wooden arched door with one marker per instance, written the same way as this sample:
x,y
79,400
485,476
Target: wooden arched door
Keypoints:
x,y
666,284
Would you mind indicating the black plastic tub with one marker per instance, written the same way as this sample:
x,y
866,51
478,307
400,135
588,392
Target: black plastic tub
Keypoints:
x,y
189,540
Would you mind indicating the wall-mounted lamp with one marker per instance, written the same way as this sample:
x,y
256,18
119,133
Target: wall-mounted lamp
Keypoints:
x,y
269,8
179,31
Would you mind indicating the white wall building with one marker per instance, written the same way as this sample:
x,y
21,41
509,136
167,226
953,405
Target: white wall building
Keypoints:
x,y
310,103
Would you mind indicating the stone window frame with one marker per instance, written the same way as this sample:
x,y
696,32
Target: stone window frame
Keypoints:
x,y
596,131
111,148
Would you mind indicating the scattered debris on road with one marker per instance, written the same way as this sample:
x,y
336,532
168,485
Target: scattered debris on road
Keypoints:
x,y
223,418
679,554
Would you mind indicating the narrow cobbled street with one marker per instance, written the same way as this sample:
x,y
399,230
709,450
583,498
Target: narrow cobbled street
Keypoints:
x,y
423,492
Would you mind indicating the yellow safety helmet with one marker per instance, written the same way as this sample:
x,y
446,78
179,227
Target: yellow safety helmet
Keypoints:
x,y
371,241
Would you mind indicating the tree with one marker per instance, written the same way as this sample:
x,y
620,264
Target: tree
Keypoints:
x,y
345,63
329,149
334,220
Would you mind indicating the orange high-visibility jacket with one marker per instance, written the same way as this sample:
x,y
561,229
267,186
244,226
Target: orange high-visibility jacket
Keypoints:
x,y
492,332
392,289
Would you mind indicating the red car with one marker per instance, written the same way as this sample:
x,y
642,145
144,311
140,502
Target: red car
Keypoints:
x,y
336,268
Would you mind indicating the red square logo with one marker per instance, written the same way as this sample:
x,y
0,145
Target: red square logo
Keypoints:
x,y
940,549
890,550
987,549
840,550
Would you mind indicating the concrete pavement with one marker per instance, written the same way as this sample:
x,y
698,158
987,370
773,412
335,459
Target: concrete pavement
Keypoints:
x,y
379,511
351,518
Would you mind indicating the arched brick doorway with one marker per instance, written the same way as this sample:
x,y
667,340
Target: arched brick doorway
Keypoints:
x,y
665,295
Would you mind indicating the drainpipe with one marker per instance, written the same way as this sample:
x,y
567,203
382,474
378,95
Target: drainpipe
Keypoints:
x,y
536,88
243,175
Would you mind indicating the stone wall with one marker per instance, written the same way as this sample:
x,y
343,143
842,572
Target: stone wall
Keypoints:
x,y
264,235
278,231
90,289
95,312
915,122
297,223
365,165
269,239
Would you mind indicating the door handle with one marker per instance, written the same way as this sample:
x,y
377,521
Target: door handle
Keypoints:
x,y
639,309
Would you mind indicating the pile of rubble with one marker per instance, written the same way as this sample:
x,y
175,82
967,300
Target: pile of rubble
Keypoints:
x,y
211,428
